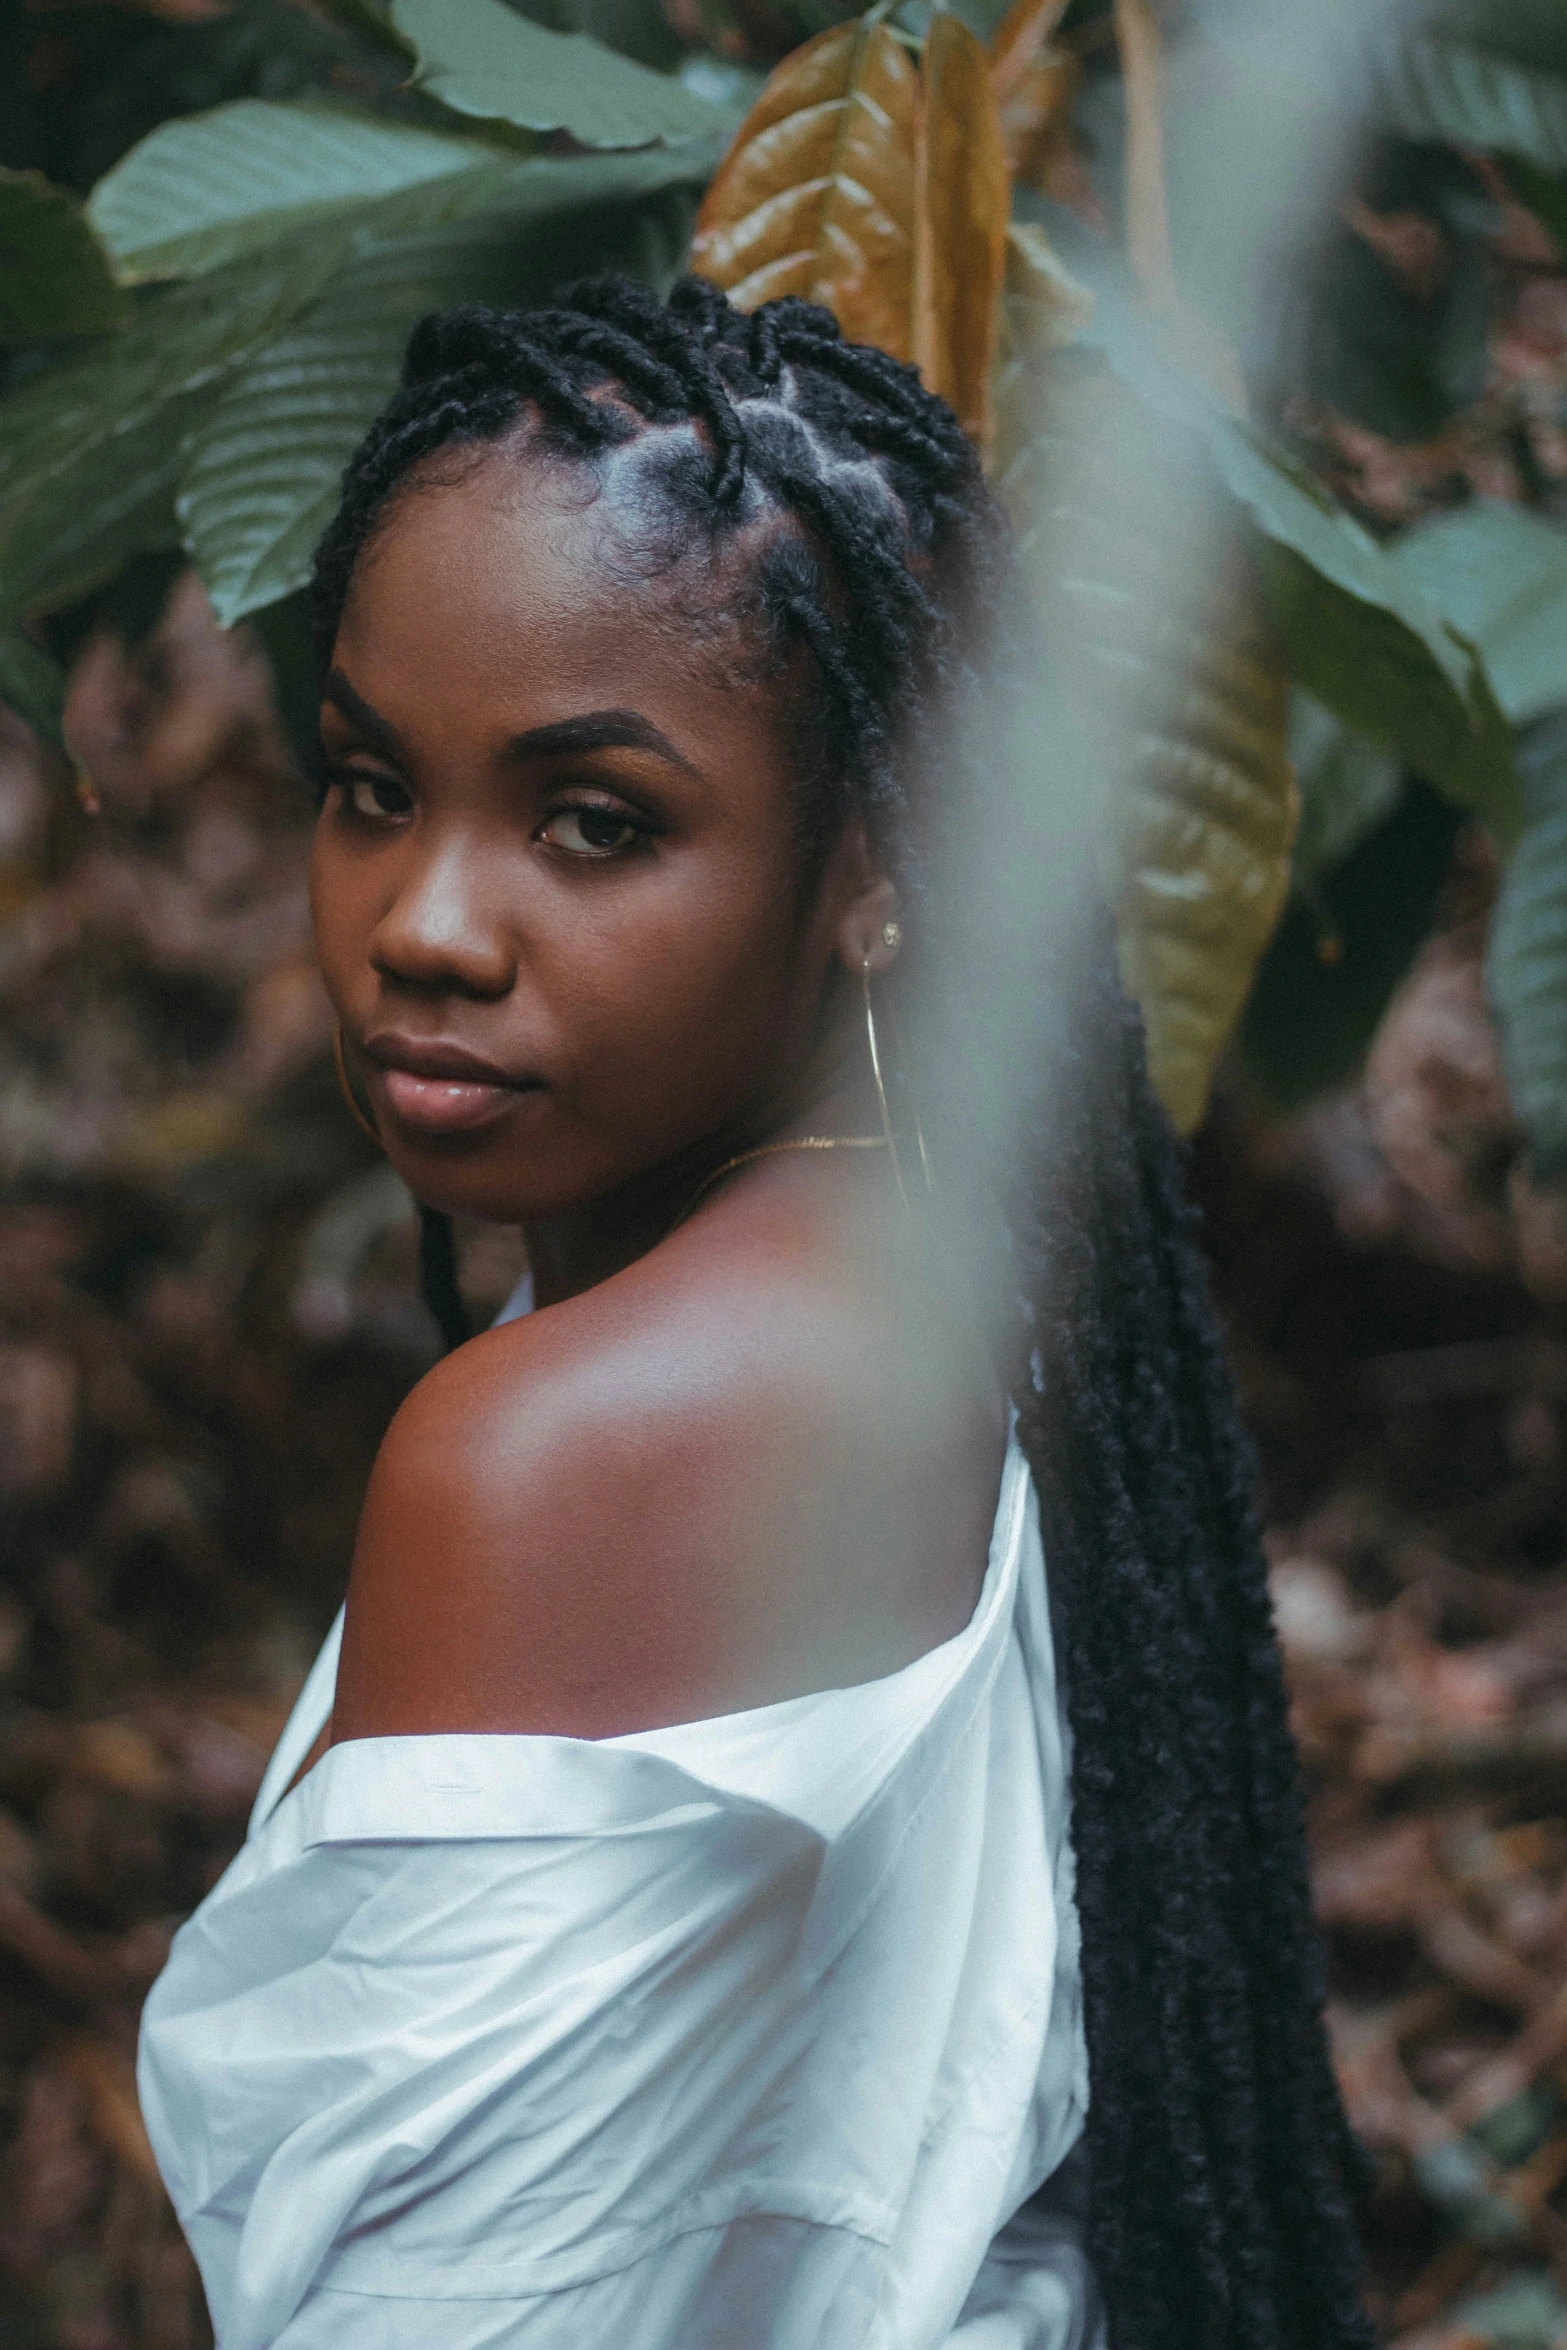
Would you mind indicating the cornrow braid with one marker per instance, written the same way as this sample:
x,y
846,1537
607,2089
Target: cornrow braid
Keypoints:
x,y
1220,2169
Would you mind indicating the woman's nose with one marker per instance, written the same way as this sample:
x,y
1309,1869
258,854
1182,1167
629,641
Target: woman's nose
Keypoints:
x,y
440,932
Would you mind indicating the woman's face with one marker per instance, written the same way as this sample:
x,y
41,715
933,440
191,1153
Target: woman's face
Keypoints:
x,y
557,876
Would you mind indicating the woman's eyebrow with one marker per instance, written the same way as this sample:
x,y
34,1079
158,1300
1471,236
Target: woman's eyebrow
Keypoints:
x,y
594,730
598,730
379,732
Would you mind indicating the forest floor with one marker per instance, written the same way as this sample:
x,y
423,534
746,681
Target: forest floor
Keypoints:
x,y
208,1314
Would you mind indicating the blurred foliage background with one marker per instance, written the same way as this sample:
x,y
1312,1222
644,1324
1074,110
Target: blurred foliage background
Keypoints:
x,y
1271,367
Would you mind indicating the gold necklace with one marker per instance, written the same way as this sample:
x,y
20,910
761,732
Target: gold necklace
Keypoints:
x,y
766,1150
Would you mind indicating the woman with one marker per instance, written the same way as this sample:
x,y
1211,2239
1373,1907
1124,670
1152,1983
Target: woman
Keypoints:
x,y
660,1922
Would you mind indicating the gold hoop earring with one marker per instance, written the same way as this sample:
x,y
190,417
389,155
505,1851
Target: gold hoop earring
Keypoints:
x,y
908,1087
355,1112
881,1090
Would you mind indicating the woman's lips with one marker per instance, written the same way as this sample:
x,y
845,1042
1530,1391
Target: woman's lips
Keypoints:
x,y
441,1088
445,1105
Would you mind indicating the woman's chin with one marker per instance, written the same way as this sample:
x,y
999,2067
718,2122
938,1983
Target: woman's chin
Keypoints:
x,y
489,1185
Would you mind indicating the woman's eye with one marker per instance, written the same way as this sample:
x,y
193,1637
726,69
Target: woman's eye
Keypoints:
x,y
590,832
376,795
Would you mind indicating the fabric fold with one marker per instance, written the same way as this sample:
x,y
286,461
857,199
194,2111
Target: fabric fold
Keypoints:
x,y
755,2031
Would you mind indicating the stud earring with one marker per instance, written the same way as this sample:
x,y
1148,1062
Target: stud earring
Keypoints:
x,y
892,935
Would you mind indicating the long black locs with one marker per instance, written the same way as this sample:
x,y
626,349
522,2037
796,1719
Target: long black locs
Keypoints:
x,y
1222,2175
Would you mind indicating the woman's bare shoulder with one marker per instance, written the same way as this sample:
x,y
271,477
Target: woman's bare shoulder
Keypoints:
x,y
665,1499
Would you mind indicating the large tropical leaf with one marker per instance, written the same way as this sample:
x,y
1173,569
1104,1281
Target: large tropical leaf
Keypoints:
x,y
817,195
1348,786
89,450
1448,84
1502,575
482,59
262,465
208,188
1499,573
1161,638
1360,633
964,203
1527,966
880,189
1363,639
55,277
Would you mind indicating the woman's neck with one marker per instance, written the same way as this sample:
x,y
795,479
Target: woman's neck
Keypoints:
x,y
582,1246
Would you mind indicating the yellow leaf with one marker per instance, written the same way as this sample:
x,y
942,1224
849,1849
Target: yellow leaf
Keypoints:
x,y
964,198
877,187
1161,641
816,197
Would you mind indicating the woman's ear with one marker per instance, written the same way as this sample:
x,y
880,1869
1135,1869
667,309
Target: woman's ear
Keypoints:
x,y
868,929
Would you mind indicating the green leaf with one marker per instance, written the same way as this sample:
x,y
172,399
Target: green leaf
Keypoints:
x,y
1348,786
1363,639
32,683
209,188
90,449
1498,573
263,465
1341,948
481,59
1451,90
55,277
1527,965
1359,633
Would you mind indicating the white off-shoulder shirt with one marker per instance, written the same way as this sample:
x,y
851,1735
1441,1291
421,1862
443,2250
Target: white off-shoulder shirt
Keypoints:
x,y
749,2034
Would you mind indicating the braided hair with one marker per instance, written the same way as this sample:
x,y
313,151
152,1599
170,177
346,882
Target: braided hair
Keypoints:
x,y
1220,2170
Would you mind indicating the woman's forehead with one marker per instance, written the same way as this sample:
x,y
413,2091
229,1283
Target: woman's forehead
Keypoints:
x,y
489,608
503,554
531,535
